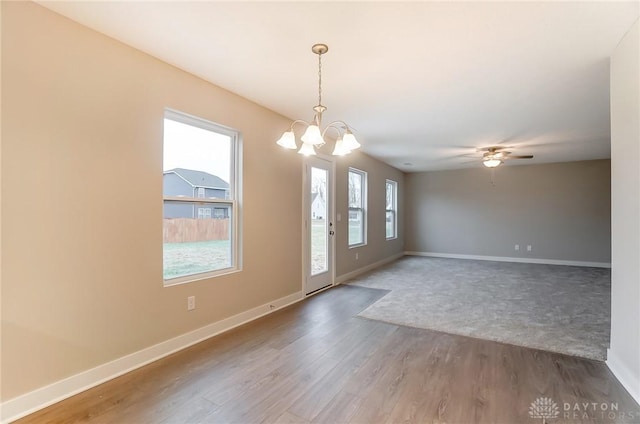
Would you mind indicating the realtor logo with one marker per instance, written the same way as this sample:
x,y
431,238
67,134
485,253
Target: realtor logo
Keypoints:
x,y
544,408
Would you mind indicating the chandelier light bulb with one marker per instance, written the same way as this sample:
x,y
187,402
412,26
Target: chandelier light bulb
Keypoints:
x,y
350,141
288,140
307,149
341,148
312,136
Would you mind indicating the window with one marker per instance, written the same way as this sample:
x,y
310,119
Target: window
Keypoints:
x,y
391,209
357,210
204,213
200,234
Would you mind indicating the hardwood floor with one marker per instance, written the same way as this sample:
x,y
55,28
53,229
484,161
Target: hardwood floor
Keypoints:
x,y
315,362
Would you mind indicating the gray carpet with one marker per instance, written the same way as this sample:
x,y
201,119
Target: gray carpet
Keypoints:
x,y
562,309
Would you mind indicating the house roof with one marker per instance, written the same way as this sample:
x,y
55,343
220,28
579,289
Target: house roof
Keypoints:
x,y
200,178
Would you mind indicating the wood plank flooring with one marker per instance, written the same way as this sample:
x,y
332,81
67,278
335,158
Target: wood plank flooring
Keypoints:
x,y
315,362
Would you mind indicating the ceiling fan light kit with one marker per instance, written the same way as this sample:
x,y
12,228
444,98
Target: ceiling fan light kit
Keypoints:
x,y
495,156
313,136
491,163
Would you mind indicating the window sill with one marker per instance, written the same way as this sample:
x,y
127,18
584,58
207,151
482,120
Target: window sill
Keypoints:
x,y
199,277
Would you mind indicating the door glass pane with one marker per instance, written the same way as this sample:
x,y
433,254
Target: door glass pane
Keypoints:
x,y
319,221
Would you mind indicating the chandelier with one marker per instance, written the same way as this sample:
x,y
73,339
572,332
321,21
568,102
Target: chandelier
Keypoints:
x,y
313,136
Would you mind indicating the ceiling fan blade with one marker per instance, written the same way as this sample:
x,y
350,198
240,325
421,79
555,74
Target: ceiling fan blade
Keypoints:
x,y
492,148
521,157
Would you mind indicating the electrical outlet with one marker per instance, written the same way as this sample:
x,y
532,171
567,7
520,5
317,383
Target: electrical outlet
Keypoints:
x,y
516,247
528,248
356,256
191,303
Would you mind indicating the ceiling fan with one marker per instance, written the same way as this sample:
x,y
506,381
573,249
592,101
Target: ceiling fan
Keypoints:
x,y
496,155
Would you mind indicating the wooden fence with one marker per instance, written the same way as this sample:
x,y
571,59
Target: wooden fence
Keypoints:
x,y
180,230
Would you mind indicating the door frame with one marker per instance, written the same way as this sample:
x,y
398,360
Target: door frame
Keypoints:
x,y
306,212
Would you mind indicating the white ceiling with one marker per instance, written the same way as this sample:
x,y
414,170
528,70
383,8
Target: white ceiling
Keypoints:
x,y
422,82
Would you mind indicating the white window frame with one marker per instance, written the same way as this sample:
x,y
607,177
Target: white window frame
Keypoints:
x,y
393,210
233,202
362,208
201,192
204,213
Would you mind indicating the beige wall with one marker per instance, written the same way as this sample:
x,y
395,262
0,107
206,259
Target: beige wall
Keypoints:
x,y
82,210
624,354
562,210
1,132
82,188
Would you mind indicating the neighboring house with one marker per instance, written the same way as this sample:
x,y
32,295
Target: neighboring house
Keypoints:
x,y
181,182
318,206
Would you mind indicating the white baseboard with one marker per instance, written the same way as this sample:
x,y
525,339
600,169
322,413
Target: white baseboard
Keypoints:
x,y
28,403
511,259
349,275
624,376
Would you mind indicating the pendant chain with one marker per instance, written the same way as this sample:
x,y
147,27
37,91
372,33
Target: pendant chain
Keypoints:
x,y
320,79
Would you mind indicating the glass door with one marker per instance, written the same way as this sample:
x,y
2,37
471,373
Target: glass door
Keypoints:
x,y
319,229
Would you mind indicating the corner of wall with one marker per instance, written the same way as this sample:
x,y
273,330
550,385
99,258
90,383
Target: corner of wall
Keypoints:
x,y
627,378
624,353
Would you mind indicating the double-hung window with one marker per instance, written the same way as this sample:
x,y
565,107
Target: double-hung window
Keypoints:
x,y
391,209
200,199
357,192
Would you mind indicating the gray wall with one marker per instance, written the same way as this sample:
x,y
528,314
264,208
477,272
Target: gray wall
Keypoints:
x,y
562,210
624,355
378,248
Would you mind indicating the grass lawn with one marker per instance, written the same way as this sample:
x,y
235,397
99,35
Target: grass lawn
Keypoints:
x,y
319,235
193,258
354,231
182,259
319,243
